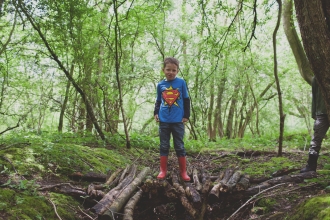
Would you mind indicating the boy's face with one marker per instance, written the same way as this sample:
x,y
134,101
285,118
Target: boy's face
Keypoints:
x,y
170,71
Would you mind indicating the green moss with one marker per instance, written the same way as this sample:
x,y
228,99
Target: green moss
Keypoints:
x,y
314,209
18,205
63,204
58,159
257,168
267,204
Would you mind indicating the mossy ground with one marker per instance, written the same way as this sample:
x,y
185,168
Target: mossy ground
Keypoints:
x,y
29,161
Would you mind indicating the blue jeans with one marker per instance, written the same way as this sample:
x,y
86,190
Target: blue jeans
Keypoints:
x,y
177,131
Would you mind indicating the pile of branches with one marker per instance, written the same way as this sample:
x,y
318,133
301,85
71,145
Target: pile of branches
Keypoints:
x,y
121,192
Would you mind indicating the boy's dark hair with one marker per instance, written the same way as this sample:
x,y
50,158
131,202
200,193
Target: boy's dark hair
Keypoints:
x,y
171,60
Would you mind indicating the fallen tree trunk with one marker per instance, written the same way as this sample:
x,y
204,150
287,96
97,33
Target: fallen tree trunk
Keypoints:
x,y
91,176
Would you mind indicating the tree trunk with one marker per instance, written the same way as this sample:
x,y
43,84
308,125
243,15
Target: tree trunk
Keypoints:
x,y
314,22
249,115
117,66
210,129
218,123
279,92
65,101
295,44
231,114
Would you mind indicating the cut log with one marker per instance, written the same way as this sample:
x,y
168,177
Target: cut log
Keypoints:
x,y
228,173
214,193
184,201
243,183
124,173
230,185
152,187
170,191
206,181
107,200
193,195
111,179
198,185
125,195
129,208
95,191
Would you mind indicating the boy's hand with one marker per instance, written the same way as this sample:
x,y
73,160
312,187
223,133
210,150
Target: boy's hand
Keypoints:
x,y
156,118
185,119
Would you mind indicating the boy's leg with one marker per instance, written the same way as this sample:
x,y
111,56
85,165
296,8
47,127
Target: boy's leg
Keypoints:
x,y
178,133
164,137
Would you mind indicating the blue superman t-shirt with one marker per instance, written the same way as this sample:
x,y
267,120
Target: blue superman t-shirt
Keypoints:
x,y
171,95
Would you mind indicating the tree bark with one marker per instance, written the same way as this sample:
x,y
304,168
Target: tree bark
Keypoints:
x,y
295,44
129,208
117,66
279,92
314,23
65,101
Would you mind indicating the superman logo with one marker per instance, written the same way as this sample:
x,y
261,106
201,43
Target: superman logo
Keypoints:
x,y
170,96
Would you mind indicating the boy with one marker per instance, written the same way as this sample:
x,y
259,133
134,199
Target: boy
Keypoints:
x,y
172,109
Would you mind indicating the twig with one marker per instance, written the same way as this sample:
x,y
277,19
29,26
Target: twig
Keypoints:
x,y
59,184
253,198
288,191
7,159
86,214
55,210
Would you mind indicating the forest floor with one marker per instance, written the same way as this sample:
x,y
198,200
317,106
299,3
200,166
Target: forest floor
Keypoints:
x,y
280,202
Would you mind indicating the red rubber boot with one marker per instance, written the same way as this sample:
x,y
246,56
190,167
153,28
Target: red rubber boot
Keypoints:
x,y
163,168
183,168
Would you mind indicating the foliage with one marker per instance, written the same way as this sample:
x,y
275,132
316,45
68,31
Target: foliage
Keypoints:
x,y
226,86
